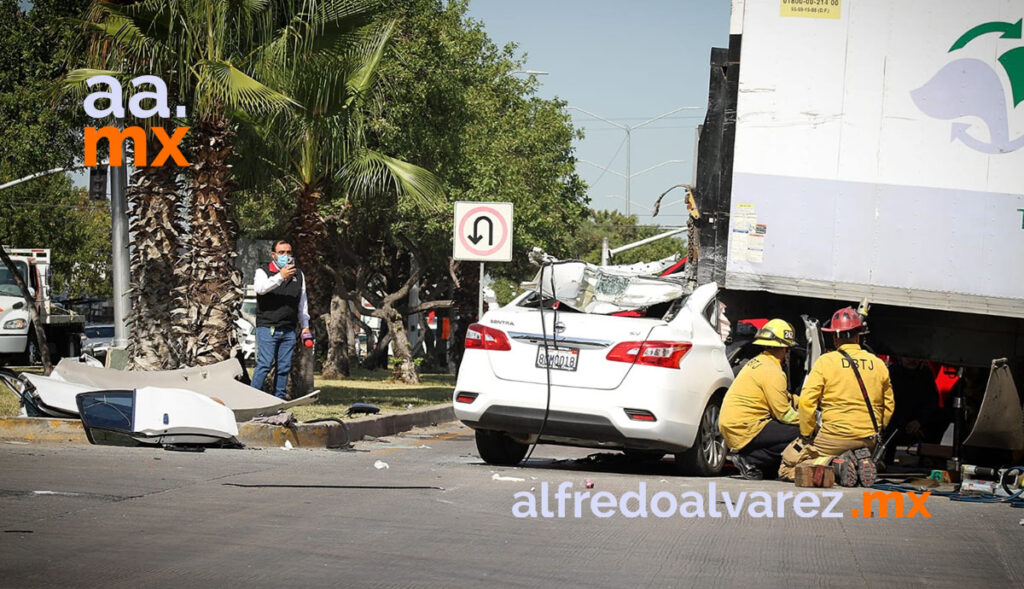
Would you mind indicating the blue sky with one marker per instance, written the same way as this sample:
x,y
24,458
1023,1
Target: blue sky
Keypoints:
x,y
627,62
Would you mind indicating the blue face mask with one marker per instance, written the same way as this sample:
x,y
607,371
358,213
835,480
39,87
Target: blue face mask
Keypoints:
x,y
283,260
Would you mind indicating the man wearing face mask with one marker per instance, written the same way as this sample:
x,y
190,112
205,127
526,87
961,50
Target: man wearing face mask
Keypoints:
x,y
280,307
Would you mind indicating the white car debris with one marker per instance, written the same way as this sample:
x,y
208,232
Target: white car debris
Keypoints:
x,y
55,395
156,416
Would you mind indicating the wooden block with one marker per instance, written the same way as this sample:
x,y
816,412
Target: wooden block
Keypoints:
x,y
814,475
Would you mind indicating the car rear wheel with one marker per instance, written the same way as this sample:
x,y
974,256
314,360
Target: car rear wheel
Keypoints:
x,y
707,456
498,448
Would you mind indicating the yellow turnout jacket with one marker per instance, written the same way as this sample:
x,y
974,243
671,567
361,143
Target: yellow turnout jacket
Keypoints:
x,y
759,394
832,386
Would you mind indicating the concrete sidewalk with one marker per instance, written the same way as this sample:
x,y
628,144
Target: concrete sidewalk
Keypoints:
x,y
328,434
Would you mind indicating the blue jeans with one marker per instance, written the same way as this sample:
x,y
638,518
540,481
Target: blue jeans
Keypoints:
x,y
270,348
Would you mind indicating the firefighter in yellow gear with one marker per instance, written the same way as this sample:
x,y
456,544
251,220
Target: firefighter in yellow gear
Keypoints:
x,y
758,418
848,431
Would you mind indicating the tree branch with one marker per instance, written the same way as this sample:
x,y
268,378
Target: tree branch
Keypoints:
x,y
430,305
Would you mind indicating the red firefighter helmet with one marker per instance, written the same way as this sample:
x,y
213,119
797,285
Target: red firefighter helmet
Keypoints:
x,y
845,319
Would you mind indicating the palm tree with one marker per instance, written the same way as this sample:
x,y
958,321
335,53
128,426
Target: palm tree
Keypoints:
x,y
318,152
210,51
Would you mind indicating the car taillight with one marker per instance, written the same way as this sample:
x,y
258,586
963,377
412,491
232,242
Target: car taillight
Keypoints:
x,y
651,353
466,397
481,337
640,415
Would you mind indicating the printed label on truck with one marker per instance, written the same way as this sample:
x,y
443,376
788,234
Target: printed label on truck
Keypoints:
x,y
746,243
811,8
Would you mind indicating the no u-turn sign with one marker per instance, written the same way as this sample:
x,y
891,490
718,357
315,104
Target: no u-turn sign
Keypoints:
x,y
483,231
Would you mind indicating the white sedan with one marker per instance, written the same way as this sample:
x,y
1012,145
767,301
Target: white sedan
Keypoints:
x,y
605,362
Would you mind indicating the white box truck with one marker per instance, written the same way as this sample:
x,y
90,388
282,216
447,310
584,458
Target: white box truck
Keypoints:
x,y
871,149
63,329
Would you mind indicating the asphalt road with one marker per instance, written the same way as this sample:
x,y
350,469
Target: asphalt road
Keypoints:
x,y
88,516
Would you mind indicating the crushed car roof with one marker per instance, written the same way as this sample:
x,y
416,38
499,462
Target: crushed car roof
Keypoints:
x,y
597,289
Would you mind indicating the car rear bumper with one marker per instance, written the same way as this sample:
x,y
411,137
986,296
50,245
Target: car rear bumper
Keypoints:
x,y
579,416
526,421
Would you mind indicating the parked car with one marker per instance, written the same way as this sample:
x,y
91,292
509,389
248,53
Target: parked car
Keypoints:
x,y
96,340
246,333
248,310
600,361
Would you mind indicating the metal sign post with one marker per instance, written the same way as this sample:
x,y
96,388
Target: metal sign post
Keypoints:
x,y
480,289
482,233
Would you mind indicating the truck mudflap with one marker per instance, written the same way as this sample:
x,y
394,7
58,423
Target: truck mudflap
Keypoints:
x,y
1000,422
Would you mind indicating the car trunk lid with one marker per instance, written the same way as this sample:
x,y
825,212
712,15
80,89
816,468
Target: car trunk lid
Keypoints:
x,y
577,345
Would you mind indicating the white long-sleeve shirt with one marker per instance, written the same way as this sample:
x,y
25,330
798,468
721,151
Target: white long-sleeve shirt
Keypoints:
x,y
264,283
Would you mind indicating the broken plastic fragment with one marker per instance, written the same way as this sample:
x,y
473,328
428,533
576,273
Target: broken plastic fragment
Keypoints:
x,y
380,464
287,445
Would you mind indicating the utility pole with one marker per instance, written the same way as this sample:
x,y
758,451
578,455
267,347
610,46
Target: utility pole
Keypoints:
x,y
629,133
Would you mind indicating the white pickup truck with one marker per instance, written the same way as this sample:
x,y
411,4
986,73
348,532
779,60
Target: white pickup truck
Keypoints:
x,y
63,329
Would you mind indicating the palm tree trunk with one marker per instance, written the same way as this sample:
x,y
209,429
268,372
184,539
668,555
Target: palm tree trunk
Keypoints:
x,y
213,289
156,231
309,235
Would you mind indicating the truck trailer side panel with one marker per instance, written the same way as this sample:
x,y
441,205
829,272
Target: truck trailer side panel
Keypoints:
x,y
879,153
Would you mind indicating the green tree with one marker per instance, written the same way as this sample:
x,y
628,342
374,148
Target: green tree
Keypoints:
x,y
452,103
40,134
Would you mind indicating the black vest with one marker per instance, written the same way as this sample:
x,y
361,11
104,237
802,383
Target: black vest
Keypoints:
x,y
280,307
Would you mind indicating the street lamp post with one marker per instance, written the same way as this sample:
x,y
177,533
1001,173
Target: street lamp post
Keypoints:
x,y
629,130
119,252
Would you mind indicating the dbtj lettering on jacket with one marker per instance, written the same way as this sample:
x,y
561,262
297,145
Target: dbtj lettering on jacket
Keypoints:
x,y
862,363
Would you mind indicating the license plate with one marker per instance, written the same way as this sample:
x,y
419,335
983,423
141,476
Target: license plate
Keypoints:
x,y
558,359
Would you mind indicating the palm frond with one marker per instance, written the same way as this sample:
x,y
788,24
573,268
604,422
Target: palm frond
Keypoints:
x,y
371,172
227,85
371,53
73,83
141,30
327,25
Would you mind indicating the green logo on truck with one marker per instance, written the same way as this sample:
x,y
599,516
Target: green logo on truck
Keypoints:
x,y
970,87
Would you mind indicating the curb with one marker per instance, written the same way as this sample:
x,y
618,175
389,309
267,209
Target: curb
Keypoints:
x,y
42,429
389,425
253,435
